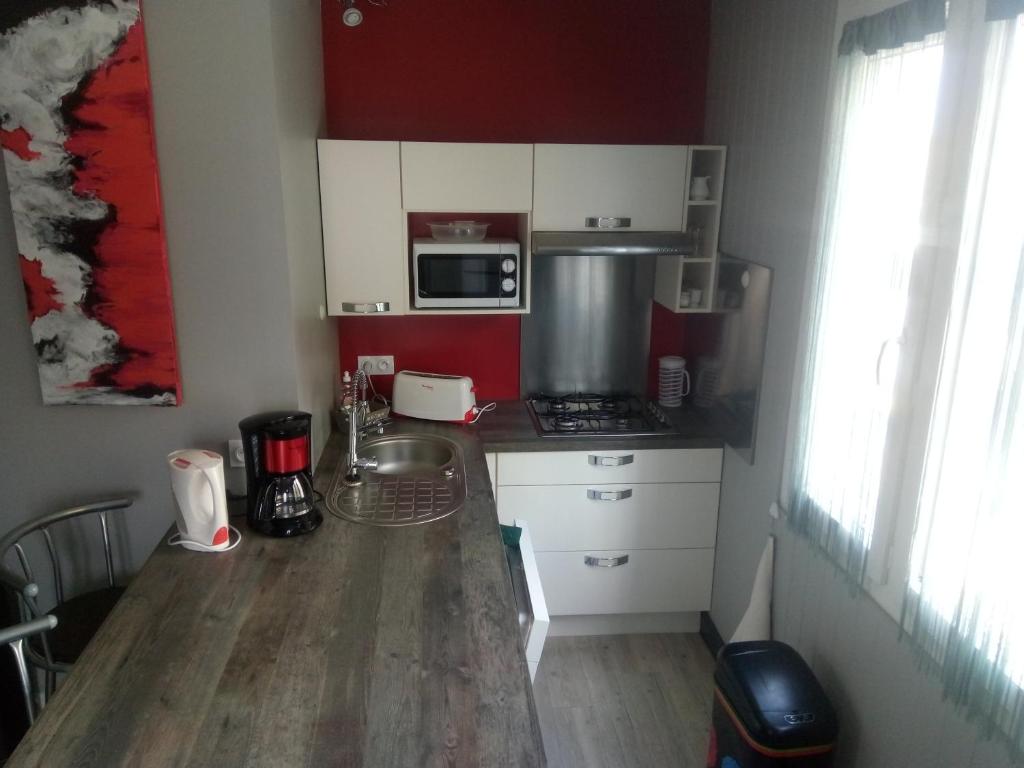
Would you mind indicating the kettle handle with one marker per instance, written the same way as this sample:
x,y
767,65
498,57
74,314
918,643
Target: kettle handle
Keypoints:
x,y
208,477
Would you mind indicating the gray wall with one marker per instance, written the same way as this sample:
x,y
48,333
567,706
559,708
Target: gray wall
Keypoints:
x,y
236,253
299,85
767,96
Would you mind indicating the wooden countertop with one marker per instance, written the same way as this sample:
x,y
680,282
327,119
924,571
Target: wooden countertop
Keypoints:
x,y
353,646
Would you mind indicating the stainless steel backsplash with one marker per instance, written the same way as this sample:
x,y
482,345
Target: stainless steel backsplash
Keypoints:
x,y
589,326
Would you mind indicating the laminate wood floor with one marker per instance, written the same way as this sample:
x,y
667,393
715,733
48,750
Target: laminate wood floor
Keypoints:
x,y
625,701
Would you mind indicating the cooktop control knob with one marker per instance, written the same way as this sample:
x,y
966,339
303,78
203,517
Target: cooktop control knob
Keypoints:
x,y
508,266
508,285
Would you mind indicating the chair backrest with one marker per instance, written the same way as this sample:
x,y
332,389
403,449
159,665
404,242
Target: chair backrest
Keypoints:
x,y
15,539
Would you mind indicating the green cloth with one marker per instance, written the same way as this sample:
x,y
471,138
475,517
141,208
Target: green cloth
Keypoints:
x,y
510,535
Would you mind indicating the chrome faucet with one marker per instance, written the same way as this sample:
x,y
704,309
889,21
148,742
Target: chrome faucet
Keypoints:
x,y
357,408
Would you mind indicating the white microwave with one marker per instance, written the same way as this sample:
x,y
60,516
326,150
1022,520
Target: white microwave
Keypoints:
x,y
484,274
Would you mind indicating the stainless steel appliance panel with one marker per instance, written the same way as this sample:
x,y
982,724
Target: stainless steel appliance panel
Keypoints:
x,y
589,326
742,300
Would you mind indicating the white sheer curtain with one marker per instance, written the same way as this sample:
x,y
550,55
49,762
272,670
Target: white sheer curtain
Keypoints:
x,y
906,445
964,597
882,121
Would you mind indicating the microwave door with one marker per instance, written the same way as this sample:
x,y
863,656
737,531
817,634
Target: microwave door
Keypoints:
x,y
448,280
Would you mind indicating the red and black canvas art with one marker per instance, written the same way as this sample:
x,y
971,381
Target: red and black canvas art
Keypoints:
x,y
76,127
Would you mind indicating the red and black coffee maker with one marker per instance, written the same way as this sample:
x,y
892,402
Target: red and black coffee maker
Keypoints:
x,y
279,473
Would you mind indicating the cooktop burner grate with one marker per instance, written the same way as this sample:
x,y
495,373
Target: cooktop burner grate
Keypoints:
x,y
587,413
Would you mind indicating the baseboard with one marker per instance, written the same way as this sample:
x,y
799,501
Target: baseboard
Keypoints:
x,y
710,634
624,624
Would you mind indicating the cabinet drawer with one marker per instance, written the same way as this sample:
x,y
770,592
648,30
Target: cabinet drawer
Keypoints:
x,y
440,176
649,581
703,465
643,516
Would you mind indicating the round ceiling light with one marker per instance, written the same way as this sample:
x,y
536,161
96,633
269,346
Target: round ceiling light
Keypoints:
x,y
351,16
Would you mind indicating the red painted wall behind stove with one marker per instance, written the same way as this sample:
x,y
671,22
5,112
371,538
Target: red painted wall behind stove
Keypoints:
x,y
574,71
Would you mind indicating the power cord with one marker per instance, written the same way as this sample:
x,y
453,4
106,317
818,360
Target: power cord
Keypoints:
x,y
373,389
481,411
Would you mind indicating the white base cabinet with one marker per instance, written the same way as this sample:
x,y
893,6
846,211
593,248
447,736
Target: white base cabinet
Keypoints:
x,y
616,532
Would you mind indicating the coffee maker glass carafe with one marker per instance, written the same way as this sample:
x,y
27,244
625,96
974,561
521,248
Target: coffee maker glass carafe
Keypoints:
x,y
287,496
279,476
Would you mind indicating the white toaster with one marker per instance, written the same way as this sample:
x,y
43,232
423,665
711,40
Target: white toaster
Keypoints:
x,y
434,396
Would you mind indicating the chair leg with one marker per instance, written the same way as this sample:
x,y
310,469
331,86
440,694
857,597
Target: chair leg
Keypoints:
x,y
18,647
51,685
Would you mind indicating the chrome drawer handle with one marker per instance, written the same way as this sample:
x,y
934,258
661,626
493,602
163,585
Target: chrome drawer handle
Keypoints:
x,y
593,493
605,562
608,222
610,461
367,308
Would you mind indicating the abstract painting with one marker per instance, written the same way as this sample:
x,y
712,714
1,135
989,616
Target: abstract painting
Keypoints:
x,y
76,127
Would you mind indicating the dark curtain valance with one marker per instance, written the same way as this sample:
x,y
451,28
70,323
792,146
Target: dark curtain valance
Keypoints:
x,y
908,22
998,10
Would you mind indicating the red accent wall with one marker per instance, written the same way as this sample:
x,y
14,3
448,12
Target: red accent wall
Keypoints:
x,y
575,71
483,347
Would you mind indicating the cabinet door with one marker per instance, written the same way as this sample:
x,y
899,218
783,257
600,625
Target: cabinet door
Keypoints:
x,y
438,176
361,208
577,182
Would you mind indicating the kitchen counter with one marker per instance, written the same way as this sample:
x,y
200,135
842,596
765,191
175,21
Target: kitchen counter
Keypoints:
x,y
355,645
509,428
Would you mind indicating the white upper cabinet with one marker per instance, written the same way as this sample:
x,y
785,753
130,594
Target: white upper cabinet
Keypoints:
x,y
438,176
581,187
364,232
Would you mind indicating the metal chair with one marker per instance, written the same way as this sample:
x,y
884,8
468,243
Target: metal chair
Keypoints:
x,y
56,648
15,638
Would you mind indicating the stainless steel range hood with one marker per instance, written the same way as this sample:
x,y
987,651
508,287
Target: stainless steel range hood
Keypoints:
x,y
610,243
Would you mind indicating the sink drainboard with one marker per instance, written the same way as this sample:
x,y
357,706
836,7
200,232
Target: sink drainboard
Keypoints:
x,y
392,500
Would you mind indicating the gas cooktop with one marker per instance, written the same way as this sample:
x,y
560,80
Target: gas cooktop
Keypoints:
x,y
597,415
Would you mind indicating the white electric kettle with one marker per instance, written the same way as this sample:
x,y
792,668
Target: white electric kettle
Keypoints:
x,y
197,479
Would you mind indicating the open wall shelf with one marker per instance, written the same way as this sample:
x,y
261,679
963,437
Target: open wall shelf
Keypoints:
x,y
686,284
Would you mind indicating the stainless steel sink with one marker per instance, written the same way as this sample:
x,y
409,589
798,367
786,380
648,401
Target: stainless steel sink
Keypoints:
x,y
410,455
419,478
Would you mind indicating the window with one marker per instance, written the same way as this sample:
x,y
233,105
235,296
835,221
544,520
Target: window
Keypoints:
x,y
966,566
882,137
906,453
847,420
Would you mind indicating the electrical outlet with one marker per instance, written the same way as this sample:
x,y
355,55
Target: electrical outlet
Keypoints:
x,y
377,365
236,456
